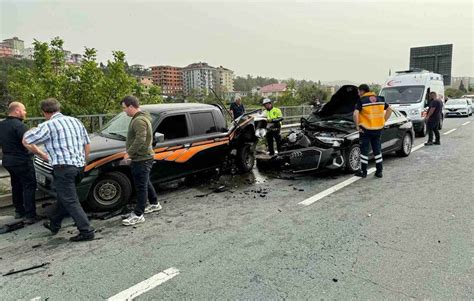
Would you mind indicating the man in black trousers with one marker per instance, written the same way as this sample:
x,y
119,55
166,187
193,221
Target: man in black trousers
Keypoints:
x,y
18,161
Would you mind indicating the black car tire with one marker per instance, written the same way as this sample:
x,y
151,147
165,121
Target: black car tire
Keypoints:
x,y
350,157
407,145
422,132
110,191
245,159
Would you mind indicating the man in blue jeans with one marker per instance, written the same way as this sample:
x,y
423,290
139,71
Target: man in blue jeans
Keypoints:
x,y
67,148
140,151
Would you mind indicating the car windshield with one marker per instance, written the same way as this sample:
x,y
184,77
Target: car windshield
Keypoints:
x,y
403,94
117,127
456,102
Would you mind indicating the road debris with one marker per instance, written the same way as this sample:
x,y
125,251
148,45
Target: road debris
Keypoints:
x,y
12,272
9,227
36,246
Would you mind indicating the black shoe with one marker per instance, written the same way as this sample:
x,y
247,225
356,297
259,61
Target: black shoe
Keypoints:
x,y
437,143
361,174
32,220
19,215
379,174
429,143
82,237
48,226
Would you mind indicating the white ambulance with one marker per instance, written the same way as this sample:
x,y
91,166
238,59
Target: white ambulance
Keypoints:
x,y
408,92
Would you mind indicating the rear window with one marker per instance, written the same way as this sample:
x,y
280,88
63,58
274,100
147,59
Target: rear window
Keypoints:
x,y
203,123
174,127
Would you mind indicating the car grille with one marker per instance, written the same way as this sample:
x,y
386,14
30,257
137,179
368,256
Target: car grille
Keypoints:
x,y
452,110
43,165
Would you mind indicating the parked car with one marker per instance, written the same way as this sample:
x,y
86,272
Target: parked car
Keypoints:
x,y
459,107
188,139
328,139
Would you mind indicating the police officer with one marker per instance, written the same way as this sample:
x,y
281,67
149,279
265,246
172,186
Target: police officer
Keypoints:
x,y
370,115
274,118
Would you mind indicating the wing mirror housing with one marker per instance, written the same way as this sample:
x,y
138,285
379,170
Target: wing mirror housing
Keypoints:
x,y
158,138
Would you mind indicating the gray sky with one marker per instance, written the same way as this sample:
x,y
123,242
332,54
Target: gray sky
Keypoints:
x,y
316,40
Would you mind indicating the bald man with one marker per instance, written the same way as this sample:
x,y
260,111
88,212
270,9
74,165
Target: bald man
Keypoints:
x,y
18,161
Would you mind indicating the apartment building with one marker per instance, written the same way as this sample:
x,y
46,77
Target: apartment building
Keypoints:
x,y
169,78
225,79
199,77
16,45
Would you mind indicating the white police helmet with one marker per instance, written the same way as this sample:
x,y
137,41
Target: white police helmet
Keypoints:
x,y
266,100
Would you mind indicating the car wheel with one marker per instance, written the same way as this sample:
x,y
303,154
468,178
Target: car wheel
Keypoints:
x,y
422,132
407,144
110,191
245,158
352,158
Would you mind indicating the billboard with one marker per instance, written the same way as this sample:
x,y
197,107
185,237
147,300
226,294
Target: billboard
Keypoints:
x,y
436,59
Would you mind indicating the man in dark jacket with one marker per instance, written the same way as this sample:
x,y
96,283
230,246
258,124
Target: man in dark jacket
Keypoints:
x,y
140,151
18,161
433,118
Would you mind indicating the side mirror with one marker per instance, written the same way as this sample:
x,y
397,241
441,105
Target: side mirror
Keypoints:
x,y
158,138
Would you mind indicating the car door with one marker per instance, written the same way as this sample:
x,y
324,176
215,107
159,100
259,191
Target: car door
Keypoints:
x,y
390,134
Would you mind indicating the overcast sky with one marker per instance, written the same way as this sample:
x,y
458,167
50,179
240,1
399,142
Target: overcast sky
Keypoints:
x,y
318,40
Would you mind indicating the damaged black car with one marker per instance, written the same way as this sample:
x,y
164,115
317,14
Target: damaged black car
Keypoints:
x,y
328,139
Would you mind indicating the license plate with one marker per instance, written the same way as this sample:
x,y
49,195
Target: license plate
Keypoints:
x,y
40,179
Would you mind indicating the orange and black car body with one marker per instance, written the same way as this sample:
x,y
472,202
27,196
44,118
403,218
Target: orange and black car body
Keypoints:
x,y
189,138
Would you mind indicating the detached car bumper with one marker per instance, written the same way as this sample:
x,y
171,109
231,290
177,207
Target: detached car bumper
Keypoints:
x,y
302,160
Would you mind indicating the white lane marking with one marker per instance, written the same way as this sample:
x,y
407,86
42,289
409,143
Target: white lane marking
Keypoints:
x,y
466,123
145,286
417,147
343,184
450,131
36,299
333,189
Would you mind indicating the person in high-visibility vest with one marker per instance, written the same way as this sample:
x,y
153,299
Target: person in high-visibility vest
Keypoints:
x,y
370,114
274,118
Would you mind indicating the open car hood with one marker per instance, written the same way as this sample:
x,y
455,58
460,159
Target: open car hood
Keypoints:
x,y
342,102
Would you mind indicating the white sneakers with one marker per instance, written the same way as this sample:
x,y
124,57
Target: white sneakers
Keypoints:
x,y
133,219
152,208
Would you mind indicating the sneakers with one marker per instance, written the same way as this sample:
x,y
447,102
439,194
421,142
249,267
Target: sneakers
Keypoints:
x,y
437,143
153,207
361,174
429,143
379,174
133,219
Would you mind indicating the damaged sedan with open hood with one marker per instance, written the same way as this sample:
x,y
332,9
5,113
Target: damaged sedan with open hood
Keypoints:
x,y
328,139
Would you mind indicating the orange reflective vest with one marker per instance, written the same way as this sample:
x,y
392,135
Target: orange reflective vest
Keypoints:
x,y
371,111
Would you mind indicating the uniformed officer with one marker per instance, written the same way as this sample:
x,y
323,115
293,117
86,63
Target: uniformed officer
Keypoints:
x,y
370,115
274,119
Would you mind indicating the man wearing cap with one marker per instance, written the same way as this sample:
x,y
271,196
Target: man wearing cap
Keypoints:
x,y
370,115
274,119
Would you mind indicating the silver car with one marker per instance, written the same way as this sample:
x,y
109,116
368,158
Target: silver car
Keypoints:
x,y
459,107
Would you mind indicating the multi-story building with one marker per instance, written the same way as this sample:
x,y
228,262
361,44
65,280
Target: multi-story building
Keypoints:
x,y
225,79
169,78
28,53
199,77
5,50
16,45
75,58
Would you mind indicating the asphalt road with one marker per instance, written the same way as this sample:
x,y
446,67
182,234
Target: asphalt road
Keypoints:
x,y
408,235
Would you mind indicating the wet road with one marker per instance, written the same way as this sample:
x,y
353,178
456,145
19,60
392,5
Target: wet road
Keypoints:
x,y
408,235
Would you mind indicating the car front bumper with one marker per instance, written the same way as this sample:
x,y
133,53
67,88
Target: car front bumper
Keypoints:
x,y
304,159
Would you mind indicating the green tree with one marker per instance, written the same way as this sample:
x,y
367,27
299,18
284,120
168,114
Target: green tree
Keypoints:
x,y
453,93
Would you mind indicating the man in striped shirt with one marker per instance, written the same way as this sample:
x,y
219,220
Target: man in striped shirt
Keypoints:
x,y
67,147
